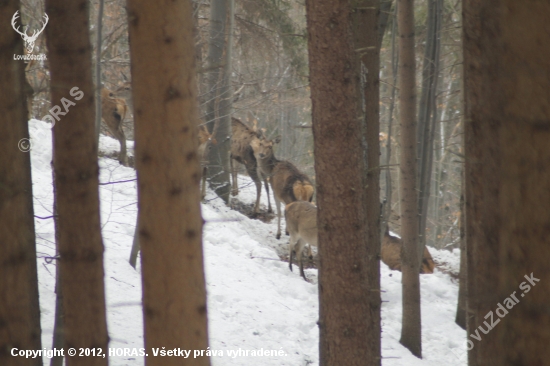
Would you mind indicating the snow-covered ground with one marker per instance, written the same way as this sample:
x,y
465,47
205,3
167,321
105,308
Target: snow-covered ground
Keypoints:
x,y
254,301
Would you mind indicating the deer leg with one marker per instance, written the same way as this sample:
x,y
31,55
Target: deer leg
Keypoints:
x,y
122,157
278,205
299,250
258,194
291,246
234,187
203,181
269,210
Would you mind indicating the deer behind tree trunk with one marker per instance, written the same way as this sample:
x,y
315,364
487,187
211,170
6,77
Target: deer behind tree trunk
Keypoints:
x,y
113,111
206,140
287,182
391,254
301,222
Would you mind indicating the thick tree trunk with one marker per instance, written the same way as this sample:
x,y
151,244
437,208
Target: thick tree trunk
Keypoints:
x,y
170,222
507,131
19,313
76,180
411,331
346,302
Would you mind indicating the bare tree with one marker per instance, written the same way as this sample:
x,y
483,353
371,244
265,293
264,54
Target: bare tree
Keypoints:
x,y
507,130
19,312
220,94
411,330
76,179
170,223
346,300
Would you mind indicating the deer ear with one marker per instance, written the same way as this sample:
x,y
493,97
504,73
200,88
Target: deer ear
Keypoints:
x,y
277,139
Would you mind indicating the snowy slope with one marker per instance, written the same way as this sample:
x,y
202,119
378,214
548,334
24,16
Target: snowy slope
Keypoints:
x,y
254,301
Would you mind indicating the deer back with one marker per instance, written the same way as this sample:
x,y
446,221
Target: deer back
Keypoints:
x,y
301,221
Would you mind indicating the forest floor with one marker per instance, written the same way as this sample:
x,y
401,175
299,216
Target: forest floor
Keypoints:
x,y
254,301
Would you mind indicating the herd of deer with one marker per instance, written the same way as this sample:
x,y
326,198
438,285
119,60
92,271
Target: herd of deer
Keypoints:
x,y
251,147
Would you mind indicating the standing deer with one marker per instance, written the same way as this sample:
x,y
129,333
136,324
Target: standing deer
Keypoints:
x,y
287,182
113,111
301,222
241,151
206,139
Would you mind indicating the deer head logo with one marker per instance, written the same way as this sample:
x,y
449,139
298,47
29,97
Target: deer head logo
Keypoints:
x,y
29,40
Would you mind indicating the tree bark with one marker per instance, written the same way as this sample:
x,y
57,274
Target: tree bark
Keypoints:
x,y
427,116
346,302
507,129
219,103
76,180
367,47
461,308
19,312
411,331
170,223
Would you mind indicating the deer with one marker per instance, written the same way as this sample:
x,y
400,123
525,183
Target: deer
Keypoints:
x,y
287,182
391,254
301,222
241,151
206,140
113,111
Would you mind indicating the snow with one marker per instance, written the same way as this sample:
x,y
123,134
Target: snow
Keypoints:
x,y
254,301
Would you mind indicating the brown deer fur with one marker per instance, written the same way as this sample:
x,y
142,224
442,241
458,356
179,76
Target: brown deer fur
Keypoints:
x,y
301,222
241,151
287,182
113,111
391,254
205,142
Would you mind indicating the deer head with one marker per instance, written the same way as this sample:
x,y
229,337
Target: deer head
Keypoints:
x,y
29,40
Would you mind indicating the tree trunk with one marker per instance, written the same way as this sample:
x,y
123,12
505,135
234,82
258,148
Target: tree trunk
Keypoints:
x,y
170,223
461,308
58,339
387,208
507,131
411,331
427,116
20,312
384,14
76,180
220,94
98,86
367,45
346,302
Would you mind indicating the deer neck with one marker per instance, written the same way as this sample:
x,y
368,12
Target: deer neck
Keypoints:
x,y
267,164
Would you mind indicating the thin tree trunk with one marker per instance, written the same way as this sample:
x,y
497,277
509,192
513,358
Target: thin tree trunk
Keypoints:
x,y
76,180
20,312
507,129
135,245
58,341
170,223
461,308
427,116
384,9
411,331
367,46
387,169
345,300
220,95
99,39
